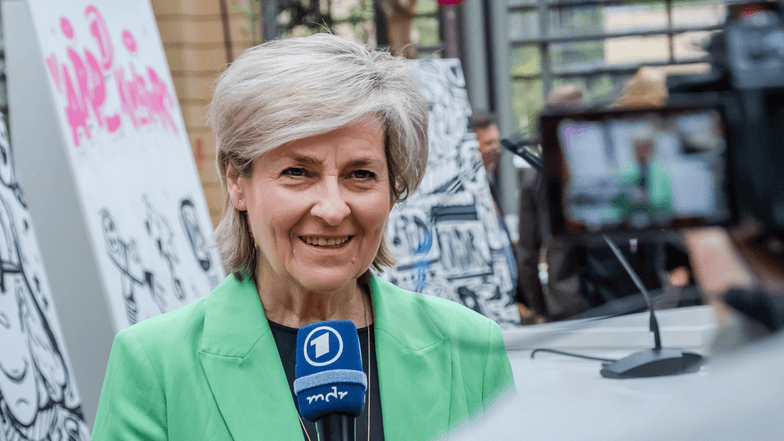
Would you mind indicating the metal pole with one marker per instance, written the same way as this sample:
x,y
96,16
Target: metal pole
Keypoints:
x,y
452,44
269,13
475,48
507,174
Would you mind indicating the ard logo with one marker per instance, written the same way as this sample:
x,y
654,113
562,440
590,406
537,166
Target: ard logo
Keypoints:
x,y
323,346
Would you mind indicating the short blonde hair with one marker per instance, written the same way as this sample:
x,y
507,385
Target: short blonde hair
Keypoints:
x,y
288,89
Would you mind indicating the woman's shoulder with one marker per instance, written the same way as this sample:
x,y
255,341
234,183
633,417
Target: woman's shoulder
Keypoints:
x,y
176,328
173,327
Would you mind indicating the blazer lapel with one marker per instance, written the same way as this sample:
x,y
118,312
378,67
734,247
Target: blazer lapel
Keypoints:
x,y
243,367
414,368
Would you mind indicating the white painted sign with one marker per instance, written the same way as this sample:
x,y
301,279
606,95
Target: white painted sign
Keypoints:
x,y
127,146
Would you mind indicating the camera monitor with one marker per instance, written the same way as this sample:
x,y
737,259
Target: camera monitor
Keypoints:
x,y
636,170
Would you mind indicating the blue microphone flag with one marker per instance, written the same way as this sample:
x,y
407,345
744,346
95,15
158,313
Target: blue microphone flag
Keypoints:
x,y
328,372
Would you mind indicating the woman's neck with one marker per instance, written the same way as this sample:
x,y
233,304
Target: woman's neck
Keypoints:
x,y
291,305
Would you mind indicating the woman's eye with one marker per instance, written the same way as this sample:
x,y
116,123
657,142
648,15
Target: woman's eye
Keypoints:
x,y
363,175
295,172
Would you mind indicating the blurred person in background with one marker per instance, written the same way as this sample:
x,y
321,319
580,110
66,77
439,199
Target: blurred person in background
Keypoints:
x,y
650,194
559,298
399,19
485,125
318,138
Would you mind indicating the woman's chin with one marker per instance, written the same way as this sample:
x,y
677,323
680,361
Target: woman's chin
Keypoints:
x,y
326,281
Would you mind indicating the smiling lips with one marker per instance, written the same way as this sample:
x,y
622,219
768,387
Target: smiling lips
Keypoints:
x,y
326,242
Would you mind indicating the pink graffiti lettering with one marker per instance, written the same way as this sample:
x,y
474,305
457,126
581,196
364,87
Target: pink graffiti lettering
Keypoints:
x,y
144,99
96,94
76,110
129,41
160,100
131,96
51,64
65,25
91,90
142,105
100,32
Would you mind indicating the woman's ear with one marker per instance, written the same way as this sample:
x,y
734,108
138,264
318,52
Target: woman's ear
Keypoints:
x,y
235,184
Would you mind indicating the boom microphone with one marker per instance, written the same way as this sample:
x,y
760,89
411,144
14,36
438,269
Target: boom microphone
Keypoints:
x,y
517,145
329,382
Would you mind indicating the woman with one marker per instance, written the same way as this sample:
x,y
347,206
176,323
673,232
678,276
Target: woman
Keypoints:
x,y
317,138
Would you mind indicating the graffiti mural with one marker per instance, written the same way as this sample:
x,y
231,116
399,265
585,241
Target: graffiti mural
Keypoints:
x,y
197,240
158,230
124,254
38,397
141,278
446,236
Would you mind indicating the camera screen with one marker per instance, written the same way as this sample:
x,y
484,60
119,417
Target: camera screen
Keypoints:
x,y
640,170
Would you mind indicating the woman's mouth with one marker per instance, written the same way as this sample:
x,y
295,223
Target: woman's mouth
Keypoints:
x,y
326,242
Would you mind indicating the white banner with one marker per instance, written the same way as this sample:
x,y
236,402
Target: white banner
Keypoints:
x,y
130,154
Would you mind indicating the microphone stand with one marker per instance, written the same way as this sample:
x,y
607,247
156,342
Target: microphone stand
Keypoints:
x,y
653,362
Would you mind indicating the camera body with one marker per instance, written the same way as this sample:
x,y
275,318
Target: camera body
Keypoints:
x,y
718,143
747,75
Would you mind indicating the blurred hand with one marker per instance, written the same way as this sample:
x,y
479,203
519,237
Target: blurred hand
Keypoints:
x,y
717,266
527,317
679,276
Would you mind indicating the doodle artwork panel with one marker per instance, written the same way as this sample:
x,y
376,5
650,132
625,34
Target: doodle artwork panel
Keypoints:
x,y
446,237
38,395
130,154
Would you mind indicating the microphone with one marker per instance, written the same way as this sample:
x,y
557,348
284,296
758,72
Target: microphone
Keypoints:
x,y
652,362
517,145
329,382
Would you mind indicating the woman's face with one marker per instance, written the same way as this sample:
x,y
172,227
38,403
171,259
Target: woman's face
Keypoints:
x,y
318,206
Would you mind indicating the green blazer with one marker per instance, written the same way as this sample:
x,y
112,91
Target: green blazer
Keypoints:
x,y
211,370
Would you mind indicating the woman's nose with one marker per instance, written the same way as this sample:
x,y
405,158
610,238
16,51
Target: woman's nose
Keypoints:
x,y
330,205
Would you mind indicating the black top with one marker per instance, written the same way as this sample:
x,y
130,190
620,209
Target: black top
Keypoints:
x,y
286,341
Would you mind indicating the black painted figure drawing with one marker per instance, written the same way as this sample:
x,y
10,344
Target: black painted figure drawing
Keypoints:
x,y
153,283
38,397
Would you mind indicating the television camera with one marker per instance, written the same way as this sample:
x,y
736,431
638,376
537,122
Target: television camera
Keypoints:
x,y
711,156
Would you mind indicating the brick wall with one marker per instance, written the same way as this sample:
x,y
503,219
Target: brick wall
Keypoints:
x,y
193,32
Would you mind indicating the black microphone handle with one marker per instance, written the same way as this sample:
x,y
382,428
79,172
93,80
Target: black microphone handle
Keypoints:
x,y
336,427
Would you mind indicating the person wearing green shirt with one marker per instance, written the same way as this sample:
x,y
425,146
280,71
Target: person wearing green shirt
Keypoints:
x,y
647,186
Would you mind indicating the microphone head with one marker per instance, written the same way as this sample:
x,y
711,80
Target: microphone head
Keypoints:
x,y
328,372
